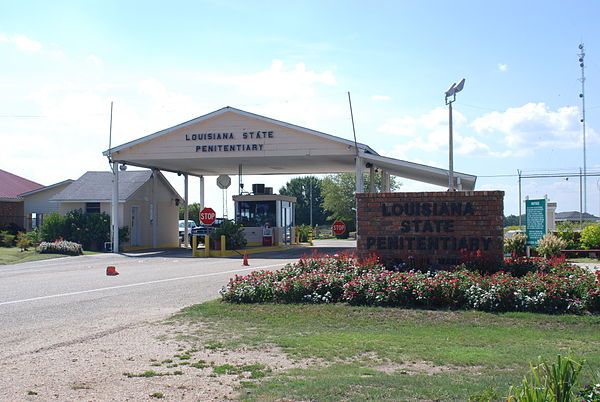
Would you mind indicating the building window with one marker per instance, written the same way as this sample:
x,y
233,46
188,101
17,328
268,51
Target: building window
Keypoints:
x,y
92,207
256,213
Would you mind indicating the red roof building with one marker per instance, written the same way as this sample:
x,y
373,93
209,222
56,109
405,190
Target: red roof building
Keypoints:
x,y
12,185
11,204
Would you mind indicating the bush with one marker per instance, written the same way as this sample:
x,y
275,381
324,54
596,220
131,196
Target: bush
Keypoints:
x,y
303,232
12,228
552,286
590,237
550,245
89,230
556,382
23,241
234,235
60,247
515,244
571,237
54,227
35,237
7,239
593,296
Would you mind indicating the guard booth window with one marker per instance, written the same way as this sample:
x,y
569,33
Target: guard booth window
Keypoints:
x,y
256,213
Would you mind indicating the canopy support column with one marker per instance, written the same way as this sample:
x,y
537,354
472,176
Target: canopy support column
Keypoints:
x,y
202,206
115,208
360,183
385,181
186,213
371,178
154,208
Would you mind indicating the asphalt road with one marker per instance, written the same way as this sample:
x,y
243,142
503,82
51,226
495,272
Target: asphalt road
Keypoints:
x,y
50,303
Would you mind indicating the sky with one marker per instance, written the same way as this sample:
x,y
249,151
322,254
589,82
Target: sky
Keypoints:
x,y
163,63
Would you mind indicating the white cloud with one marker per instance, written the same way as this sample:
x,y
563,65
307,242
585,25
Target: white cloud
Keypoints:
x,y
502,67
403,126
533,126
429,133
24,43
93,58
381,97
276,82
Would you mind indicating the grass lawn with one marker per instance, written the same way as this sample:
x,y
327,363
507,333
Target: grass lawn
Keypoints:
x,y
14,255
392,354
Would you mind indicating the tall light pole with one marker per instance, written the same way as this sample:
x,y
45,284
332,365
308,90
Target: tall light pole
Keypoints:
x,y
582,96
450,98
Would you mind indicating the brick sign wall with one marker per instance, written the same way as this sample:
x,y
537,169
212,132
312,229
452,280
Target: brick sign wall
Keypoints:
x,y
432,228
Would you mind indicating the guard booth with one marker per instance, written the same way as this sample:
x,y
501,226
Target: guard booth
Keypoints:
x,y
268,218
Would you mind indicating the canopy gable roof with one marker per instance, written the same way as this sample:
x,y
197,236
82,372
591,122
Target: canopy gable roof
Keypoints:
x,y
228,139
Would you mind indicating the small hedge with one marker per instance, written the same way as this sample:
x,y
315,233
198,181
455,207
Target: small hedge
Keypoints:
x,y
550,286
60,247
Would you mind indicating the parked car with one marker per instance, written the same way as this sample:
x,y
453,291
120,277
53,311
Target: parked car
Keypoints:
x,y
191,226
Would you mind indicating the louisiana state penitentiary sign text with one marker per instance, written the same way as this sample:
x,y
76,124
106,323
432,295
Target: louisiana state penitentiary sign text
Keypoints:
x,y
431,228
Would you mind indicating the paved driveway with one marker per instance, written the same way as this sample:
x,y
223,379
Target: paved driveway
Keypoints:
x,y
53,302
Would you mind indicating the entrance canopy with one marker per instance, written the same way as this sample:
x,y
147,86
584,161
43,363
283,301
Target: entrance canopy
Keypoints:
x,y
232,141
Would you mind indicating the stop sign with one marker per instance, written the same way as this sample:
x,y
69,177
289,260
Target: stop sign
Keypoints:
x,y
208,216
338,227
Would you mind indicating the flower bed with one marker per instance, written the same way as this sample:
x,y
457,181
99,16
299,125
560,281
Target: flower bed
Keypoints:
x,y
548,286
60,247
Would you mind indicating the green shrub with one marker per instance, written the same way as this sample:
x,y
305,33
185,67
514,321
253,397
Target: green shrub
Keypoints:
x,y
35,237
54,227
12,228
556,382
7,239
590,237
550,245
23,241
234,235
123,234
515,244
60,247
303,232
89,230
571,237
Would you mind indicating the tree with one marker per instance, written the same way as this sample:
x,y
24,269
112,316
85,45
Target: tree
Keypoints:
x,y
512,220
338,196
300,187
193,212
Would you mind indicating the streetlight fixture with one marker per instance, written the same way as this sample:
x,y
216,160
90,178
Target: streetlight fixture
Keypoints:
x,y
450,98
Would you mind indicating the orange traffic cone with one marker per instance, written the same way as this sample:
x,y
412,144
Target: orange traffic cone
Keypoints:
x,y
111,271
246,259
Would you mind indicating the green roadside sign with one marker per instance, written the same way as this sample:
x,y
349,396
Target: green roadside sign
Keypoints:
x,y
535,220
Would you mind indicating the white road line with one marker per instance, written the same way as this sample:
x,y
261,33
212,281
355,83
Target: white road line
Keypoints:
x,y
138,284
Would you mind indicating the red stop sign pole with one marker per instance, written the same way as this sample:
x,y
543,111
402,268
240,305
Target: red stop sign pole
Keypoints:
x,y
208,216
338,227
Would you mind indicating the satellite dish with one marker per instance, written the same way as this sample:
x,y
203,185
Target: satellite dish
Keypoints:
x,y
223,181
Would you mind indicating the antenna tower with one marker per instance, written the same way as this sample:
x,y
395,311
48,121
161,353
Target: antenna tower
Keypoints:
x,y
582,96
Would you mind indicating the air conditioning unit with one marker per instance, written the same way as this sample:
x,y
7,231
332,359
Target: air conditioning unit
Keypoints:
x,y
258,188
269,190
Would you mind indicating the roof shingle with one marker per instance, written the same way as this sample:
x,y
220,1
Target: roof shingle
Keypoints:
x,y
97,186
12,185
